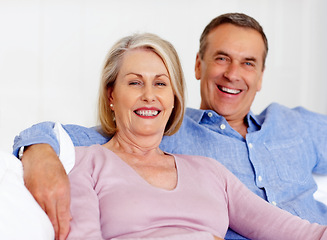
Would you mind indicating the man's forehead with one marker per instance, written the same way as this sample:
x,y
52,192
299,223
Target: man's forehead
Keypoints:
x,y
231,39
233,32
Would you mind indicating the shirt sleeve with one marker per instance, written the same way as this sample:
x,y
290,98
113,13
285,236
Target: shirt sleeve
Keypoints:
x,y
38,133
44,133
84,207
255,218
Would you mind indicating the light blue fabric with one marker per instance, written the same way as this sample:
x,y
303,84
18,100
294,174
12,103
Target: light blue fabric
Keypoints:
x,y
282,149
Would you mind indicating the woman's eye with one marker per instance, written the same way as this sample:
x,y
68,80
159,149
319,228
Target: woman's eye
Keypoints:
x,y
161,84
134,83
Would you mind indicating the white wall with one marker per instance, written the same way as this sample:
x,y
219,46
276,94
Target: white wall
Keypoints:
x,y
51,52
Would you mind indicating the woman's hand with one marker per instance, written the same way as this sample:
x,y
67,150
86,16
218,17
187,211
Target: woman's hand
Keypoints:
x,y
46,179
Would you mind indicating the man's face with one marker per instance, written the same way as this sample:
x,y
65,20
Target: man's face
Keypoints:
x,y
231,70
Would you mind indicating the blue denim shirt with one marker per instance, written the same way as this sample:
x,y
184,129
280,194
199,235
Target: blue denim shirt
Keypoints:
x,y
282,148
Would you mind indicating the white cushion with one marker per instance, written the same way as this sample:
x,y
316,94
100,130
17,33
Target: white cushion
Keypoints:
x,y
20,215
67,150
321,194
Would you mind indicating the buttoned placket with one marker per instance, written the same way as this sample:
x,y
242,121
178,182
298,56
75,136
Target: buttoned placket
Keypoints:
x,y
260,181
221,125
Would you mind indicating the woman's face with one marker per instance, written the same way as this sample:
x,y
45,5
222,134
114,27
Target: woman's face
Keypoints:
x,y
143,97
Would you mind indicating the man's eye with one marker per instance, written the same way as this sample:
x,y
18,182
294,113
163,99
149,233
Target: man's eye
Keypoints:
x,y
249,64
221,59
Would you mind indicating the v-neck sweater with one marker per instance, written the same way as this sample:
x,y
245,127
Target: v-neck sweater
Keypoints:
x,y
109,199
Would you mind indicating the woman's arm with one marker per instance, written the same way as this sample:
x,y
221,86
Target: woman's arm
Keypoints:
x,y
85,210
255,218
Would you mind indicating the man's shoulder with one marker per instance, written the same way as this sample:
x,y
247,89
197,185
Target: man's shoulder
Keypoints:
x,y
95,130
278,111
297,118
193,114
84,136
276,107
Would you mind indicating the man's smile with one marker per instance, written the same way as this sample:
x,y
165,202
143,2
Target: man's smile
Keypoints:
x,y
229,90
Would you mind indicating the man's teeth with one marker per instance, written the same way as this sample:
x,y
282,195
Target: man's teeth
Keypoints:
x,y
228,90
147,113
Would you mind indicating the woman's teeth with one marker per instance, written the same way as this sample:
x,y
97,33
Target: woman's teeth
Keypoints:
x,y
147,113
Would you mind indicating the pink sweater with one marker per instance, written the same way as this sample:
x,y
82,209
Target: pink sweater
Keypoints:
x,y
110,200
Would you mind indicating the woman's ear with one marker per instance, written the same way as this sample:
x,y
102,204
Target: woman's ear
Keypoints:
x,y
110,97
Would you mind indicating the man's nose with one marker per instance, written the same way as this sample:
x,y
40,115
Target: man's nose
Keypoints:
x,y
232,72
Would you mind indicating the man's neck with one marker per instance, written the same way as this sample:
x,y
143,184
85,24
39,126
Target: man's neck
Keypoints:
x,y
240,126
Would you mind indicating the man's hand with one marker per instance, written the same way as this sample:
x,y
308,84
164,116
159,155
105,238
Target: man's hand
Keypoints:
x,y
46,179
217,238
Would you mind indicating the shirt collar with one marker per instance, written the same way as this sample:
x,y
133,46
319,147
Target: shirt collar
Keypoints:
x,y
197,114
254,122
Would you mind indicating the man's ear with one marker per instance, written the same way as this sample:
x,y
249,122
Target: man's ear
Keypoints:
x,y
197,68
259,86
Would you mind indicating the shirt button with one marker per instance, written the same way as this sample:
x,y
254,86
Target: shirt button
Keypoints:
x,y
209,114
250,145
274,203
222,126
260,178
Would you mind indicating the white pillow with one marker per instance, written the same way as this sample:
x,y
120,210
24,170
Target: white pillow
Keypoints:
x,y
20,215
67,150
321,194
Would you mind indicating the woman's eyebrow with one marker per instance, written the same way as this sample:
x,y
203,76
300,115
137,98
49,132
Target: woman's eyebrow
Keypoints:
x,y
162,74
140,75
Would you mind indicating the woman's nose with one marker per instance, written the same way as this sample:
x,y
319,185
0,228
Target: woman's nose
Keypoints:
x,y
148,94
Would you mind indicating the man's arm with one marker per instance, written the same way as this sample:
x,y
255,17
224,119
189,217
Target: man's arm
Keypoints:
x,y
46,179
44,133
218,238
38,133
44,174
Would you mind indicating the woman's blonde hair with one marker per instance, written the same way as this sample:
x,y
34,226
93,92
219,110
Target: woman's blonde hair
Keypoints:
x,y
113,62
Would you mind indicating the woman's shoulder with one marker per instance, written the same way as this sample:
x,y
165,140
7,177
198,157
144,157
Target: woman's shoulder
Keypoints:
x,y
95,150
204,164
199,160
208,168
92,157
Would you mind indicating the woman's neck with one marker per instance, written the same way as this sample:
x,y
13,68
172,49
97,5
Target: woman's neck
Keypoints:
x,y
142,145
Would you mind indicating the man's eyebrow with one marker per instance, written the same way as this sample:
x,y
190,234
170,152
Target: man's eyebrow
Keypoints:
x,y
252,59
220,52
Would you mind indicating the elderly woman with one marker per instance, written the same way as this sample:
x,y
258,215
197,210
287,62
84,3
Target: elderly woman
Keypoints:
x,y
130,189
